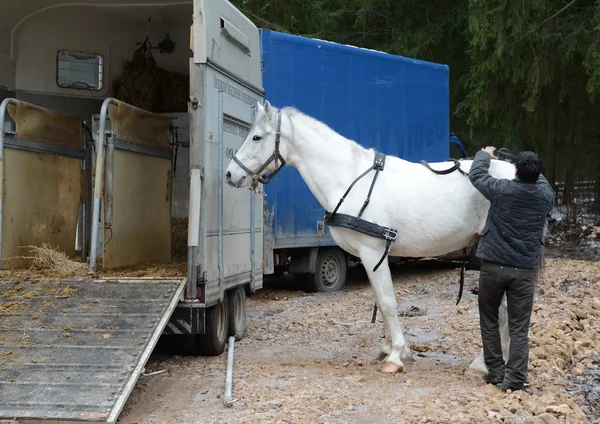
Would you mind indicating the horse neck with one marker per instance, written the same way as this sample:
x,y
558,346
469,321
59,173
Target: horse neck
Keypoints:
x,y
327,162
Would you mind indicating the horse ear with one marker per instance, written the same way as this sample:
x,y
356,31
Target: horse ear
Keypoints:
x,y
260,107
267,107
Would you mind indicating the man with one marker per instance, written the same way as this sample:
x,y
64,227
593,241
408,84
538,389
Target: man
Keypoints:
x,y
509,250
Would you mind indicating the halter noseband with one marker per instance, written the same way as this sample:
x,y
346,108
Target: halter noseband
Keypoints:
x,y
276,156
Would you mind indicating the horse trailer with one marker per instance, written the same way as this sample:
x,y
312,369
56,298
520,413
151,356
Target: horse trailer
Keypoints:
x,y
117,119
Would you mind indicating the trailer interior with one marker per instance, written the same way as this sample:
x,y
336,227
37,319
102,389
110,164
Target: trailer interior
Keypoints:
x,y
88,86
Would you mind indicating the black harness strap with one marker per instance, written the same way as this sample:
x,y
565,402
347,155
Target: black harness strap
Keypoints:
x,y
456,167
378,165
374,316
355,222
462,276
364,227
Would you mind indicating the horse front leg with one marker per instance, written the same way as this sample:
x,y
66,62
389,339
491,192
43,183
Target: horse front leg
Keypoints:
x,y
386,347
381,281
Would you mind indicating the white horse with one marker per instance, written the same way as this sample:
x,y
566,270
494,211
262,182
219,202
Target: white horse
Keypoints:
x,y
432,214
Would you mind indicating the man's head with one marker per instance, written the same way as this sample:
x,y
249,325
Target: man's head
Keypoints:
x,y
529,167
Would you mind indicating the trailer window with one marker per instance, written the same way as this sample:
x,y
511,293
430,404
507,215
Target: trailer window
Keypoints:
x,y
79,70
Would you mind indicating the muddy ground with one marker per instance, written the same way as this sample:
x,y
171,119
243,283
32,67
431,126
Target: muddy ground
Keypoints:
x,y
310,358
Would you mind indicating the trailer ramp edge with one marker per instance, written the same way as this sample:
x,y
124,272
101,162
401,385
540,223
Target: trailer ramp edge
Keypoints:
x,y
72,349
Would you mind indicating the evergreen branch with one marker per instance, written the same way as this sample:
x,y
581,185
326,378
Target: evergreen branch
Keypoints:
x,y
269,23
546,20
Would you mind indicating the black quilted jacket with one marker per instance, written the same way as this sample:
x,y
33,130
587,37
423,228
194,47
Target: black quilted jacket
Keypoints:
x,y
513,232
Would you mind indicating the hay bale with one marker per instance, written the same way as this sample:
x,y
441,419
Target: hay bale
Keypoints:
x,y
47,257
179,233
144,84
139,83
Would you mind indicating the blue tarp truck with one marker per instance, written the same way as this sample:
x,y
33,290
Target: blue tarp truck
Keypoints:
x,y
397,105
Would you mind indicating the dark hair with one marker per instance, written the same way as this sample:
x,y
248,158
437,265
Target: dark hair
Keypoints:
x,y
529,166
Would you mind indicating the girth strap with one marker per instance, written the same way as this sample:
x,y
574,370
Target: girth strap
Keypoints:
x,y
364,227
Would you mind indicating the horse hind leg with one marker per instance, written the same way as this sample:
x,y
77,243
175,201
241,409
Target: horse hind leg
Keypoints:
x,y
478,363
381,281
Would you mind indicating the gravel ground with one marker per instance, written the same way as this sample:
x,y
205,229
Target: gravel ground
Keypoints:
x,y
310,358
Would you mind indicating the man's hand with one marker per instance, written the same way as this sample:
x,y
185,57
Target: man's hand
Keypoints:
x,y
490,150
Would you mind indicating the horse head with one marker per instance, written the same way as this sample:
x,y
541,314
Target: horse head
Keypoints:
x,y
260,153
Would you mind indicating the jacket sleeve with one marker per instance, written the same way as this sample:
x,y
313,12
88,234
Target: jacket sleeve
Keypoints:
x,y
480,177
546,188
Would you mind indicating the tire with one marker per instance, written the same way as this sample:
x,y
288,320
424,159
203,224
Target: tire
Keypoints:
x,y
330,272
211,343
236,299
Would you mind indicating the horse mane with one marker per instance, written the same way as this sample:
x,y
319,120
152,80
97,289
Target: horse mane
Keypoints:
x,y
323,128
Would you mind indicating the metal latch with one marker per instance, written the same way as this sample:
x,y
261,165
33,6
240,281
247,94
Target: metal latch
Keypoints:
x,y
194,102
320,227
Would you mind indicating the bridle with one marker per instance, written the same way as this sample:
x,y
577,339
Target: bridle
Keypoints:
x,y
276,156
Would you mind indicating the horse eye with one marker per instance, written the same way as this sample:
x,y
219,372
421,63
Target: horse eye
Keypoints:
x,y
256,137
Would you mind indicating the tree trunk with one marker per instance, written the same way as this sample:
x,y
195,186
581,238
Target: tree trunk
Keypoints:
x,y
569,174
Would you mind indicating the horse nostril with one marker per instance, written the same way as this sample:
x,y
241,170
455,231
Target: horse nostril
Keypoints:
x,y
228,175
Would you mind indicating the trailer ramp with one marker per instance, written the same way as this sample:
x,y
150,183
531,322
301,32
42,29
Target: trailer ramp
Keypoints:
x,y
71,350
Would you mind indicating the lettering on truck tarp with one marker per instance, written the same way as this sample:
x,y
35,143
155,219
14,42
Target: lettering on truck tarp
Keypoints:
x,y
233,92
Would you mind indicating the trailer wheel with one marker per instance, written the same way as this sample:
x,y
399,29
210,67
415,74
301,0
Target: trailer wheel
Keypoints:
x,y
237,312
211,343
330,272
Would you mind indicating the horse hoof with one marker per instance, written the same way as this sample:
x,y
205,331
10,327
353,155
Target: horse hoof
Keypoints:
x,y
390,368
381,356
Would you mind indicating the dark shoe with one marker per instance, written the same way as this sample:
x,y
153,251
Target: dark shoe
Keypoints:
x,y
521,387
493,379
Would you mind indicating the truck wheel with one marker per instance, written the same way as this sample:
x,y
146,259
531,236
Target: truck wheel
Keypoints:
x,y
237,312
330,272
211,343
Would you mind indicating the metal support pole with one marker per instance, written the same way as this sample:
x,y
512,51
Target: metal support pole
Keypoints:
x,y
220,191
87,210
194,231
227,400
98,182
3,107
83,233
252,219
110,179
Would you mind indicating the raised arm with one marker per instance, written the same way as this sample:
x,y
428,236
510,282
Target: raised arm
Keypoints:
x,y
480,177
547,189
